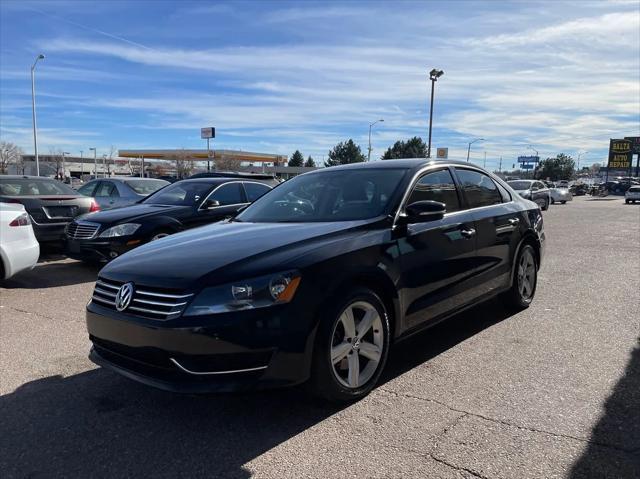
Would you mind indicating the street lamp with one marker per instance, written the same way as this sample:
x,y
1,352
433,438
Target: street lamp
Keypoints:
x,y
579,155
433,76
81,164
469,146
95,163
33,111
370,126
64,168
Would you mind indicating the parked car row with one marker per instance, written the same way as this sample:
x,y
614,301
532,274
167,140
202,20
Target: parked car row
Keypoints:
x,y
313,281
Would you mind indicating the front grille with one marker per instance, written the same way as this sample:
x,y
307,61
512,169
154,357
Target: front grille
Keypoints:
x,y
148,302
82,230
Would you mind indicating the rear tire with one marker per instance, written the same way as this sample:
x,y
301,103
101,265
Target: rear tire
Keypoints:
x,y
545,207
628,201
563,202
347,360
525,279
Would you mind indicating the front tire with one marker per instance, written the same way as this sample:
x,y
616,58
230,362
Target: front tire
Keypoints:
x,y
351,348
545,207
525,279
563,202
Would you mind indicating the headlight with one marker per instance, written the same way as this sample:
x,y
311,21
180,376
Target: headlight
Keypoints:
x,y
256,293
124,229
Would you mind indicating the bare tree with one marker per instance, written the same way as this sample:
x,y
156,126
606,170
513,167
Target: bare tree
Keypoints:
x,y
10,153
184,163
226,163
112,151
56,158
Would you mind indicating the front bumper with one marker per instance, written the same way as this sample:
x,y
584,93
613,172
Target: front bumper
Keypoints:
x,y
256,349
101,250
52,232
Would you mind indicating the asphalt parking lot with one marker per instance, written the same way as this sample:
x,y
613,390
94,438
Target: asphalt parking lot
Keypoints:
x,y
553,391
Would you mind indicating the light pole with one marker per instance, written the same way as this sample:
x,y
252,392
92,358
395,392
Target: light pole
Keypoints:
x,y
433,76
579,155
64,168
469,146
370,126
95,163
33,111
537,156
81,164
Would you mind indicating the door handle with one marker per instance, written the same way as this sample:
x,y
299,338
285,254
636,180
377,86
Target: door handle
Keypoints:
x,y
468,233
514,221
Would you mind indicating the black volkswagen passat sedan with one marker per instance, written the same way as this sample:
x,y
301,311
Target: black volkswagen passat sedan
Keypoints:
x,y
315,280
182,205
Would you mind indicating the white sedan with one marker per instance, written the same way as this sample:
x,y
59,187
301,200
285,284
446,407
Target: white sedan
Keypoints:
x,y
19,249
560,195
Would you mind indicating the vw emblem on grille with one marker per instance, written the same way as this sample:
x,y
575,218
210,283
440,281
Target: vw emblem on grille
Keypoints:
x,y
124,296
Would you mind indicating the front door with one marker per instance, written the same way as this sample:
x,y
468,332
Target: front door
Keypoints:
x,y
223,202
437,256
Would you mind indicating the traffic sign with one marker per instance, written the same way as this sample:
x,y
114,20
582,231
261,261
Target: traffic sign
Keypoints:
x,y
528,159
207,132
442,153
526,166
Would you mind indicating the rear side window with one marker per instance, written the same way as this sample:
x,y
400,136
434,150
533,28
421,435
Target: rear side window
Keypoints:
x,y
479,189
229,194
436,186
88,189
255,190
34,187
107,189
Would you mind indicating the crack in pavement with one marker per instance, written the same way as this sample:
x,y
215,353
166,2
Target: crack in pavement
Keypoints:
x,y
39,314
507,423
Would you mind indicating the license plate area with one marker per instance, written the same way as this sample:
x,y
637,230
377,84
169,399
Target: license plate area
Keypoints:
x,y
60,211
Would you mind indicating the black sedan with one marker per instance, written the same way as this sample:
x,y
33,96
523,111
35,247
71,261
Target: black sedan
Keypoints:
x,y
315,280
50,203
182,205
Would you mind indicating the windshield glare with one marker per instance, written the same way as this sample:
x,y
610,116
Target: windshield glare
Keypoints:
x,y
338,195
182,193
520,185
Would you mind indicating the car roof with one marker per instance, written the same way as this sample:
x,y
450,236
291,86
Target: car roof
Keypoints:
x,y
407,163
26,177
127,178
220,180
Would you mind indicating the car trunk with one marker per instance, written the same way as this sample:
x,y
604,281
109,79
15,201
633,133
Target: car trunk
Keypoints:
x,y
54,208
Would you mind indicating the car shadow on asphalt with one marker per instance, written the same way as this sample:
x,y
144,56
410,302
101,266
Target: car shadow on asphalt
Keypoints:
x,y
50,273
614,446
98,424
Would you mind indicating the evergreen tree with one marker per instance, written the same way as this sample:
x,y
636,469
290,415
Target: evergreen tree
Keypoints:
x,y
413,148
296,159
344,153
310,163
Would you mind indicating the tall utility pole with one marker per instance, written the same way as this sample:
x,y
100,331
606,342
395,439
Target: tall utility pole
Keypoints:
x,y
81,164
433,76
579,155
500,167
469,146
95,163
64,167
371,125
484,165
33,112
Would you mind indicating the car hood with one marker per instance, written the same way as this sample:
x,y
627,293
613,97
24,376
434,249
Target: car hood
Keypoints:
x,y
215,253
133,212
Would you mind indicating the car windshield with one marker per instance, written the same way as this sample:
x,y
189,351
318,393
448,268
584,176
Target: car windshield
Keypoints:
x,y
34,187
146,187
332,195
520,185
182,193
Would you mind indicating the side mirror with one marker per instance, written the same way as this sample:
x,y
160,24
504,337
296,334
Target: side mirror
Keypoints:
x,y
211,204
423,211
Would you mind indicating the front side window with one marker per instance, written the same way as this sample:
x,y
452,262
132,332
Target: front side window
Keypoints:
x,y
229,194
146,187
436,186
331,195
182,193
479,189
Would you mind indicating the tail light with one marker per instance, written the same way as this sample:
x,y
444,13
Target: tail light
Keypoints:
x,y
22,220
94,207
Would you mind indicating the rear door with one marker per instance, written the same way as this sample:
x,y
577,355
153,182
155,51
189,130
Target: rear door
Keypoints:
x,y
497,221
436,257
106,194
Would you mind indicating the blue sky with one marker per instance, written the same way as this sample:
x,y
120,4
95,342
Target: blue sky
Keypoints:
x,y
278,76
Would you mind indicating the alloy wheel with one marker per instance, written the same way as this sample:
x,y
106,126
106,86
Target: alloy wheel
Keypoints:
x,y
357,344
159,236
527,275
